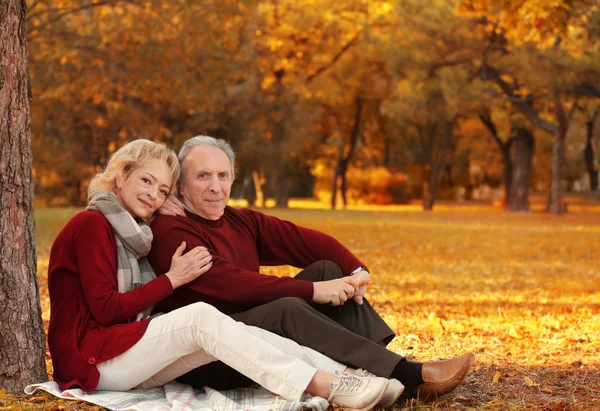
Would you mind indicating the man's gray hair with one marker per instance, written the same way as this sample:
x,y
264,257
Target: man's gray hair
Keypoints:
x,y
206,141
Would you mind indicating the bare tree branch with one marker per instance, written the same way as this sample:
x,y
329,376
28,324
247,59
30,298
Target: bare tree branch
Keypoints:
x,y
522,104
334,60
74,10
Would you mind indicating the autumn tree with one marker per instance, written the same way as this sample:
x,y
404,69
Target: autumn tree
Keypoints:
x,y
22,339
436,86
555,33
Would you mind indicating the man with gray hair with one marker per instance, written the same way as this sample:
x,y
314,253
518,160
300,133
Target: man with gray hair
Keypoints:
x,y
312,308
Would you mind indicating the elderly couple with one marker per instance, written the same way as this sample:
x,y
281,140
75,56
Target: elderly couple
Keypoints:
x,y
198,264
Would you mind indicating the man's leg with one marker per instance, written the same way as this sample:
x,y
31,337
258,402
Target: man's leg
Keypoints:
x,y
295,319
360,319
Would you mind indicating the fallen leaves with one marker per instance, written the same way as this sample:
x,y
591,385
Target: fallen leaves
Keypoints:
x,y
517,290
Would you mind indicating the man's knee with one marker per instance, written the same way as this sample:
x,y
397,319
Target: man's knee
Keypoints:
x,y
331,270
322,270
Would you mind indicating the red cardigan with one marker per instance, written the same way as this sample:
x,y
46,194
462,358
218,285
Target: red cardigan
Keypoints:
x,y
240,242
89,317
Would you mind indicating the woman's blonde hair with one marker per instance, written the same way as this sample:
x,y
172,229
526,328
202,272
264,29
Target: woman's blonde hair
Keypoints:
x,y
130,157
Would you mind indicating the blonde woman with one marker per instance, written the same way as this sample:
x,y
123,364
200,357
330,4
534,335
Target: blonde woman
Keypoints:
x,y
102,291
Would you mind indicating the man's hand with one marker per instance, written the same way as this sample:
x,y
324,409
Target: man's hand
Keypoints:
x,y
359,281
334,292
172,206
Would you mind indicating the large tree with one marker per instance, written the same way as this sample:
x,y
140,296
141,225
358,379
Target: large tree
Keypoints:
x,y
22,339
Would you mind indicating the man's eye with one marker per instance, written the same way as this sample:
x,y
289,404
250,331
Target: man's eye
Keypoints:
x,y
224,176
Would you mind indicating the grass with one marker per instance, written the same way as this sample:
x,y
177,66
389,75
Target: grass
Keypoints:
x,y
521,291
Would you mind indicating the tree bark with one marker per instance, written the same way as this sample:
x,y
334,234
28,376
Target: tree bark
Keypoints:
x,y
558,158
22,339
282,195
588,154
344,156
505,150
521,170
436,165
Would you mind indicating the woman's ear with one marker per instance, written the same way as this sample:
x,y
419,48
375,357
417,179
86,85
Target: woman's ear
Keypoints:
x,y
119,180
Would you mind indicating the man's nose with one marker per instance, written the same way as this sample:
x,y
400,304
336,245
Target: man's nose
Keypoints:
x,y
215,187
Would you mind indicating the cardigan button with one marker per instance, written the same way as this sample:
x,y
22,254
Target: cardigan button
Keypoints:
x,y
92,360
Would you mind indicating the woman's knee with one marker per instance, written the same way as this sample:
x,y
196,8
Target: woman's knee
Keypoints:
x,y
199,312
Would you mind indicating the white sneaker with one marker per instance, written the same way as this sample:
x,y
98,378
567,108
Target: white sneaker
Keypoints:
x,y
394,389
356,393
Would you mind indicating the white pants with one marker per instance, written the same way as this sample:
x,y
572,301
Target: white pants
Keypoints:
x,y
198,334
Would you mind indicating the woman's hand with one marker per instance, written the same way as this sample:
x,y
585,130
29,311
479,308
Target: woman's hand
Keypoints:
x,y
172,206
189,266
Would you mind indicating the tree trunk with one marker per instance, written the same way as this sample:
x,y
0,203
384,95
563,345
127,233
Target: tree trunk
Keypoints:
x,y
344,156
436,166
505,150
556,205
281,181
507,173
588,155
521,170
22,339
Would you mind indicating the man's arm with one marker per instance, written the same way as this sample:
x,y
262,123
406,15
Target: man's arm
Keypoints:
x,y
227,287
284,243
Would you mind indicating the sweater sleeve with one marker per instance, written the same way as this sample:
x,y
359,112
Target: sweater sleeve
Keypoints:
x,y
95,248
225,284
282,242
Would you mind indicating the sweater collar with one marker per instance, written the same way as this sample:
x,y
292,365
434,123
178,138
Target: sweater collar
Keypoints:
x,y
205,221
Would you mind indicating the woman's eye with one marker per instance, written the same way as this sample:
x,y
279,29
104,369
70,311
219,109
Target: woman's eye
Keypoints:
x,y
145,180
164,193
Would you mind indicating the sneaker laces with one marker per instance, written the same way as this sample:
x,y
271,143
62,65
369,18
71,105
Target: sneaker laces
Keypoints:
x,y
363,373
345,383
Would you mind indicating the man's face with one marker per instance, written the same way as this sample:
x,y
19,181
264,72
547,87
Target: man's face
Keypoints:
x,y
207,181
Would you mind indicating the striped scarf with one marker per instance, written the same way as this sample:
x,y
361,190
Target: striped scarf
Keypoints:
x,y
134,239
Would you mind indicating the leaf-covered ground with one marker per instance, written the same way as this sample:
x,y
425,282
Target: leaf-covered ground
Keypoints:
x,y
521,291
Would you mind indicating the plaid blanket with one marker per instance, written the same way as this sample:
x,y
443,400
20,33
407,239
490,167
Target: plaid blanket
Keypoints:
x,y
179,397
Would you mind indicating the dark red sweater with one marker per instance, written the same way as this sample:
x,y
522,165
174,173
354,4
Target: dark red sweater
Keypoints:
x,y
240,242
88,315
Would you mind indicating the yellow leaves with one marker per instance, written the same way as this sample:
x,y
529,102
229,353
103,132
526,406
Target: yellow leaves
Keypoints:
x,y
496,377
100,121
267,82
529,382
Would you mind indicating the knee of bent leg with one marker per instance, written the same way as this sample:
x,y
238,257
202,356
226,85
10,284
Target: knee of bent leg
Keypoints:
x,y
201,311
331,270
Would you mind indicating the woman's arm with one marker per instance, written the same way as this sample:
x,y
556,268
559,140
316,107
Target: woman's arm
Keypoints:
x,y
95,248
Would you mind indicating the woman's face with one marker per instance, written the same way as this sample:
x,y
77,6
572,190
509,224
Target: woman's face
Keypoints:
x,y
145,189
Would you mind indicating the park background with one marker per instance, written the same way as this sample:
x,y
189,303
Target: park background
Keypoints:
x,y
378,109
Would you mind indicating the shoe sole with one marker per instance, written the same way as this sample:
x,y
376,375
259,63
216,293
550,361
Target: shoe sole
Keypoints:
x,y
395,396
374,403
448,386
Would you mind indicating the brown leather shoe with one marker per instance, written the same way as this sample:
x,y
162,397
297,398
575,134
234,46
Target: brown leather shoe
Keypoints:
x,y
441,377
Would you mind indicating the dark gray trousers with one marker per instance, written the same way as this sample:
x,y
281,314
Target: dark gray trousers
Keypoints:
x,y
350,334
